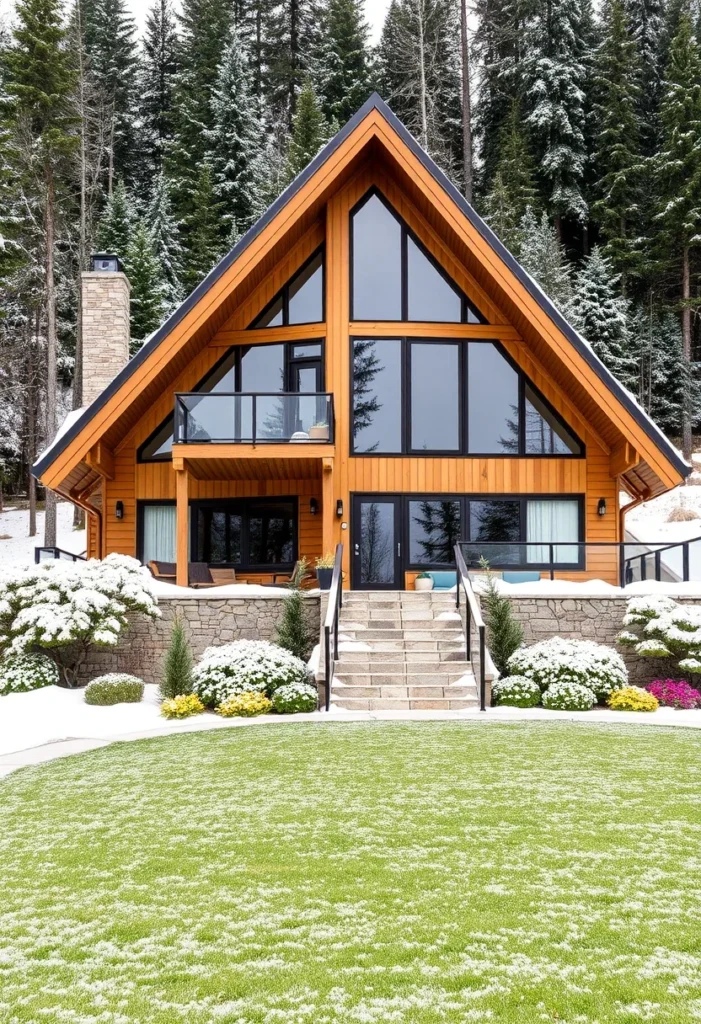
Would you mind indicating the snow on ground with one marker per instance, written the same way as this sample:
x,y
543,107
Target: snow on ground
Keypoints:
x,y
18,548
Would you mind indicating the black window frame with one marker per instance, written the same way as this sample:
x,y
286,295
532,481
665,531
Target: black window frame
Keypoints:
x,y
406,232
141,504
289,361
284,294
463,451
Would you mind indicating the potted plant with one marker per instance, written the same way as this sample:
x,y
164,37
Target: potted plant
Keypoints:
x,y
423,582
319,432
324,571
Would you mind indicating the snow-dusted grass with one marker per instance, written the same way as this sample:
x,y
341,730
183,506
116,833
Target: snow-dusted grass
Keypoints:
x,y
401,873
18,548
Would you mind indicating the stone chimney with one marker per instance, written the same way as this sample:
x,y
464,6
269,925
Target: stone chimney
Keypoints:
x,y
105,315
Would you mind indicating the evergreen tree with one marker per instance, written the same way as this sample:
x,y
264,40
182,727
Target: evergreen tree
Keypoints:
x,y
292,38
159,68
646,26
542,255
663,378
11,219
513,190
555,74
602,316
165,239
504,633
344,62
296,633
310,131
679,181
618,158
177,665
116,227
148,301
233,142
204,247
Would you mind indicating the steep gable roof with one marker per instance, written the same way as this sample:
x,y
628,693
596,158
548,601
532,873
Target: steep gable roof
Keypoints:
x,y
373,106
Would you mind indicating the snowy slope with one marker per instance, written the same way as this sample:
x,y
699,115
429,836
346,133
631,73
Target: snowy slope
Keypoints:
x,y
18,547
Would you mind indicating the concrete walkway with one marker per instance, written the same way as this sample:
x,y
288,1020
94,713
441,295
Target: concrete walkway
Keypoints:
x,y
51,723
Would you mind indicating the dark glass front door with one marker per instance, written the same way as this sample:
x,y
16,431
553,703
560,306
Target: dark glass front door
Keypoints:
x,y
376,546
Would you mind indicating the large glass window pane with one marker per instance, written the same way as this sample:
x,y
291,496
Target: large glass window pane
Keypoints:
x,y
550,522
435,397
160,447
262,368
305,294
272,317
434,530
430,297
377,542
271,533
545,435
377,263
159,533
493,524
377,395
492,401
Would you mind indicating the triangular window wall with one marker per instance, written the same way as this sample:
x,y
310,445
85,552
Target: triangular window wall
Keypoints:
x,y
300,301
394,277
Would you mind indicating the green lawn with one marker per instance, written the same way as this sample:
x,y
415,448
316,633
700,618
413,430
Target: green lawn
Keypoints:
x,y
389,872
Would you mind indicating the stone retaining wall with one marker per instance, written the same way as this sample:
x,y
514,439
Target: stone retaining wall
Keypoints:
x,y
208,621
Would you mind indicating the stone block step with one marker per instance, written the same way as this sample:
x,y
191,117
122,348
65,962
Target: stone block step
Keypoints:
x,y
420,692
349,621
401,668
368,635
403,678
394,654
389,704
361,645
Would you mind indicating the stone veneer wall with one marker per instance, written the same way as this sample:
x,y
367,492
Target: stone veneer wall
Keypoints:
x,y
588,618
105,317
208,621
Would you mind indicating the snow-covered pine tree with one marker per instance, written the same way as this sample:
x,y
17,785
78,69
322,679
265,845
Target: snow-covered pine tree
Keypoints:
x,y
11,255
344,61
602,316
165,239
542,255
233,142
147,305
646,26
310,131
618,159
292,38
116,227
159,67
205,245
555,74
512,192
270,171
679,182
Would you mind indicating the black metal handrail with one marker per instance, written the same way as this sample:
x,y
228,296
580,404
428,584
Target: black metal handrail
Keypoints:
x,y
57,553
333,609
472,614
188,432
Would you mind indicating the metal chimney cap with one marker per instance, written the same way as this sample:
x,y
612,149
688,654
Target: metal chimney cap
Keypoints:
x,y
105,262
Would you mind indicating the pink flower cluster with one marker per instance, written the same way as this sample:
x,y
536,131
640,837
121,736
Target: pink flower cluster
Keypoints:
x,y
675,693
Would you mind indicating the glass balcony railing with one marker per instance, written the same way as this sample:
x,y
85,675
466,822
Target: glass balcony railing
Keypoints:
x,y
241,418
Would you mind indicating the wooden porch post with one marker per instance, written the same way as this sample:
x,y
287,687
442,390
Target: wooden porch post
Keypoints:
x,y
181,518
328,506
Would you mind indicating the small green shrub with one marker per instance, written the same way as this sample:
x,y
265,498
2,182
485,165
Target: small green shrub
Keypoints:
x,y
114,688
177,667
295,698
22,672
182,706
296,632
568,696
516,692
247,705
504,633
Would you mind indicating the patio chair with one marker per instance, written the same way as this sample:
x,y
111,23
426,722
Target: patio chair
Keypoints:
x,y
288,579
520,577
444,580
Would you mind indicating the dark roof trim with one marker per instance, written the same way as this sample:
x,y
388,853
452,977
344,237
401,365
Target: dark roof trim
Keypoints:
x,y
377,103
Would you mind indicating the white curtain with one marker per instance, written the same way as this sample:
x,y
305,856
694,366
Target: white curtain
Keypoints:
x,y
552,521
159,533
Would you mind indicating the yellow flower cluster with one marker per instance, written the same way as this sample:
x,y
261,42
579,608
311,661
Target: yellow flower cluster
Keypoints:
x,y
245,704
632,698
182,706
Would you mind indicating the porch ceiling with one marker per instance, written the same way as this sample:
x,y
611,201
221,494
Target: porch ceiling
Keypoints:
x,y
261,467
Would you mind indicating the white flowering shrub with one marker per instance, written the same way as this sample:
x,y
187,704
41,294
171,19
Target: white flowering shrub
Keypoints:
x,y
245,666
592,665
22,672
567,696
294,698
516,692
65,608
658,627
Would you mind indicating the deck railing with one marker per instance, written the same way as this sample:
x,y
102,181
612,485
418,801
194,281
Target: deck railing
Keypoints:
x,y
253,418
333,610
473,620
45,554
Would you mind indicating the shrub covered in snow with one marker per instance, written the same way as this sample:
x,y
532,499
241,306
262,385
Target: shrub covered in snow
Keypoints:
x,y
182,706
569,696
65,608
632,698
245,666
22,672
673,693
114,688
294,698
246,705
658,627
589,664
516,692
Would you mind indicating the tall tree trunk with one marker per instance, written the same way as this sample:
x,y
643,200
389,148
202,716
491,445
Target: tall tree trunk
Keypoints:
x,y
51,351
686,355
466,103
31,422
110,165
78,514
423,100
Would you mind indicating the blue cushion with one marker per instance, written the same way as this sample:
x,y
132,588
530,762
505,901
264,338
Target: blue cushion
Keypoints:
x,y
443,580
520,577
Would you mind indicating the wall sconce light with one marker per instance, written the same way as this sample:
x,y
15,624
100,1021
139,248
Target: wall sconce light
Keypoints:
x,y
601,507
339,508
313,506
119,510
